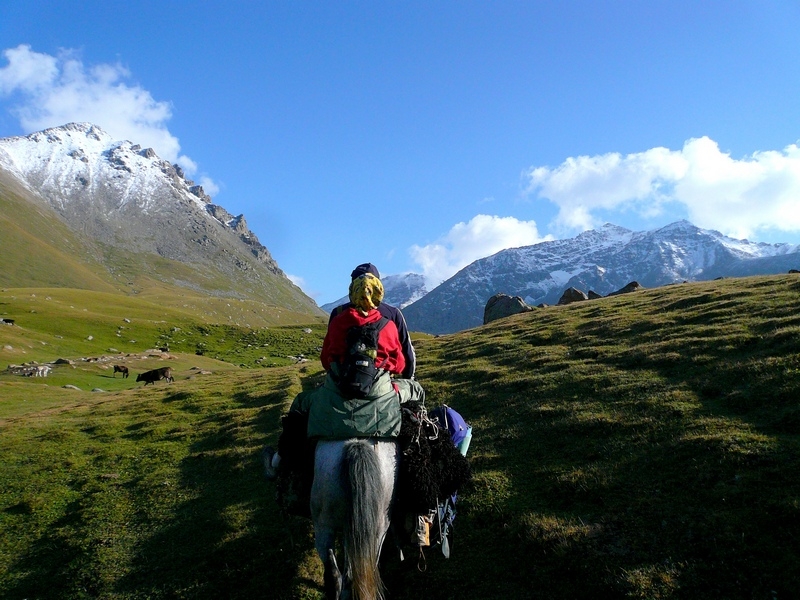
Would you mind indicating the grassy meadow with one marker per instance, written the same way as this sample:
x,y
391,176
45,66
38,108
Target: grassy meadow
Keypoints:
x,y
640,446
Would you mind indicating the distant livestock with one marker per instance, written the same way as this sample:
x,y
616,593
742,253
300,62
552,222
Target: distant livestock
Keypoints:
x,y
29,370
156,375
121,369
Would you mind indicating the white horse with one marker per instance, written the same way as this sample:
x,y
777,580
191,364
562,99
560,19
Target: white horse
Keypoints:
x,y
352,494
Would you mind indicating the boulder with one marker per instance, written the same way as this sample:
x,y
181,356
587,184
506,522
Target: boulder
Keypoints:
x,y
572,295
631,287
793,271
593,295
500,306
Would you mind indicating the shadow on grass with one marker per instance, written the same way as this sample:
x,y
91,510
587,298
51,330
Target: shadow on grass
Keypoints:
x,y
230,540
594,483
216,532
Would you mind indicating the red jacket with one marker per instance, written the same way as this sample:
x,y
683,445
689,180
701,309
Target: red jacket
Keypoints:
x,y
390,352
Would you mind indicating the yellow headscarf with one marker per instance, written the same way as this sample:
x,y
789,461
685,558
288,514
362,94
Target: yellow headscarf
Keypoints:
x,y
366,292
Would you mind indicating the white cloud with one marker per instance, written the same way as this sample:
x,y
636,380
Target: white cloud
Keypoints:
x,y
210,187
303,285
736,196
483,236
27,71
54,90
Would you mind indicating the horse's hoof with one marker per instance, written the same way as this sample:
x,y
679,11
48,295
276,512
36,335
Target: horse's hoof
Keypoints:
x,y
266,457
332,578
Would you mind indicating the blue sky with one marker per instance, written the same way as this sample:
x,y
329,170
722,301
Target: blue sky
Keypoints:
x,y
421,136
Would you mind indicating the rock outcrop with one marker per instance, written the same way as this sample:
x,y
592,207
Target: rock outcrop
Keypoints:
x,y
571,295
500,306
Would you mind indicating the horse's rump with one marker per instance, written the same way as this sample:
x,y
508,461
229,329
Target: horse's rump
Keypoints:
x,y
352,493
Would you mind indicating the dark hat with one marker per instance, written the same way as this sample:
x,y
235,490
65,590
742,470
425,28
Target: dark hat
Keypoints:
x,y
365,268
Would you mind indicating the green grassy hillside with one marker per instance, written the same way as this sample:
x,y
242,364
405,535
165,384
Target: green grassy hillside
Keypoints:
x,y
639,446
40,251
54,323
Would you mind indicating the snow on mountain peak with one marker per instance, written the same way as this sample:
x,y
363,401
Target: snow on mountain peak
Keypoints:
x,y
62,163
603,261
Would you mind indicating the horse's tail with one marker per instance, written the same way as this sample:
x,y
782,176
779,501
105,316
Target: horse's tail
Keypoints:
x,y
363,520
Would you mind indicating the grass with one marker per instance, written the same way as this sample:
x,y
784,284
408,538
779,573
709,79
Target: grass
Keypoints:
x,y
40,251
640,446
53,323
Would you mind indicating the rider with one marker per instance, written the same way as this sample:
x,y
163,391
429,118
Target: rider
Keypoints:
x,y
390,312
331,415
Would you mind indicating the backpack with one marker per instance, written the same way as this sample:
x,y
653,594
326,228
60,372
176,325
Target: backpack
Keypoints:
x,y
357,369
460,432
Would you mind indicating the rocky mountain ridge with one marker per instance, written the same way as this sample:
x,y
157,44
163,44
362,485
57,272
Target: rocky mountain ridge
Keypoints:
x,y
399,290
124,199
603,261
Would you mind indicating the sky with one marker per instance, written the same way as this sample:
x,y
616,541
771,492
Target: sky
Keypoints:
x,y
422,136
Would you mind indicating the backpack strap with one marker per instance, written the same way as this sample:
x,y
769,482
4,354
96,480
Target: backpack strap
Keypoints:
x,y
381,323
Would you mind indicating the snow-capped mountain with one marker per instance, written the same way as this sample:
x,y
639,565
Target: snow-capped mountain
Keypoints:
x,y
603,261
121,197
399,290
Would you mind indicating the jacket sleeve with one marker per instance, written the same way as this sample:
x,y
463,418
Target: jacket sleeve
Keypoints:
x,y
390,345
405,342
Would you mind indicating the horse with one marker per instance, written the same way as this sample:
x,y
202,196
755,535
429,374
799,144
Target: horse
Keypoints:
x,y
352,494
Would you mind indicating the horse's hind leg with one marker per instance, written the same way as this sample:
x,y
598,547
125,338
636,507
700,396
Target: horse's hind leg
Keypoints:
x,y
333,578
324,540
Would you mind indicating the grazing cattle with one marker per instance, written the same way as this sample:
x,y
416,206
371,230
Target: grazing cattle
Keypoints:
x,y
121,369
155,375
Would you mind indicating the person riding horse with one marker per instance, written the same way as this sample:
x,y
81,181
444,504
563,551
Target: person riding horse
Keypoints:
x,y
331,413
355,461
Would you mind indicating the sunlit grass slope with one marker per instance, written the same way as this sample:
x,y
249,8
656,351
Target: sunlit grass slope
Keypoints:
x,y
640,446
39,250
56,323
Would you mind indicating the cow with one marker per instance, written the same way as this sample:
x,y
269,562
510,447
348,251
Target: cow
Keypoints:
x,y
121,369
156,375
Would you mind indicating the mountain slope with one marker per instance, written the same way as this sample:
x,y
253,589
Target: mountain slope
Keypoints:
x,y
643,446
603,260
39,249
134,219
399,290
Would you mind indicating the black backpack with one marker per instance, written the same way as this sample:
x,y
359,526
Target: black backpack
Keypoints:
x,y
357,369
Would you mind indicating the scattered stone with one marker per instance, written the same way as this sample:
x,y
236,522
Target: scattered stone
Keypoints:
x,y
633,286
501,305
90,338
69,386
98,390
307,330
572,295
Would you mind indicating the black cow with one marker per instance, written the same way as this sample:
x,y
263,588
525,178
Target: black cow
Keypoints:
x,y
121,369
155,375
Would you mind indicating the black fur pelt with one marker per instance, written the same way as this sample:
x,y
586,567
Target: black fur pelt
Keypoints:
x,y
296,472
431,467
